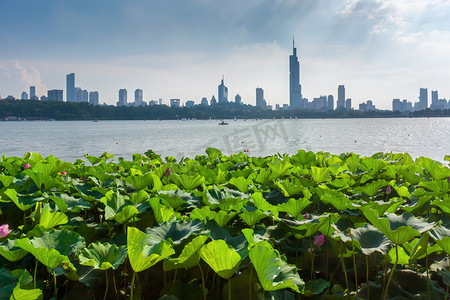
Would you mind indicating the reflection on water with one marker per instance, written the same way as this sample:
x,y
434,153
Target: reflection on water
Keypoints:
x,y
70,140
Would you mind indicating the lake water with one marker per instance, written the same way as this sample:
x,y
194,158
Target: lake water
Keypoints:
x,y
69,140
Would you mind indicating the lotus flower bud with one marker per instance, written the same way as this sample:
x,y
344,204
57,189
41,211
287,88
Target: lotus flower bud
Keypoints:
x,y
63,173
4,230
83,178
388,189
26,166
167,172
319,240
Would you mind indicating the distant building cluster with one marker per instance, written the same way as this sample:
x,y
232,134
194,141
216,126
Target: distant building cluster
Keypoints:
x,y
296,99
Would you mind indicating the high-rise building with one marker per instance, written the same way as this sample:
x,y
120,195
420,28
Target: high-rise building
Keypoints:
x,y
204,101
24,96
295,88
122,98
238,99
70,88
84,96
93,98
190,103
78,94
434,97
223,92
330,103
260,102
213,101
423,99
55,95
138,97
174,102
32,92
348,104
341,97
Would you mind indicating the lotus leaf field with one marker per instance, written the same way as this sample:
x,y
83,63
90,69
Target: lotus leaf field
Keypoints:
x,y
303,226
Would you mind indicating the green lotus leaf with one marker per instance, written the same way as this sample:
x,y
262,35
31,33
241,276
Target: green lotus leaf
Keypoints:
x,y
243,184
440,187
42,180
273,272
443,204
445,276
290,187
372,165
381,206
402,191
22,202
103,256
162,213
315,287
221,258
442,237
294,207
67,203
214,197
29,294
178,198
176,231
9,251
140,182
8,283
369,239
310,226
6,180
304,158
113,201
434,168
252,215
138,197
338,200
189,182
126,214
213,153
320,175
205,213
399,229
141,255
280,167
372,188
189,256
403,257
49,257
263,176
50,219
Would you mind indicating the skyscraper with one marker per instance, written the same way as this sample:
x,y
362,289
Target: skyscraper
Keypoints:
x,y
223,93
434,97
70,88
295,88
260,98
341,97
423,99
330,105
122,97
24,96
93,98
32,92
55,95
348,104
238,99
138,97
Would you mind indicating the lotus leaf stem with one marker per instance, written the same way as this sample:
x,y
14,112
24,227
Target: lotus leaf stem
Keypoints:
x,y
54,282
203,282
229,289
446,292
114,283
173,282
392,272
35,273
428,274
354,266
367,276
132,285
345,272
107,285
250,284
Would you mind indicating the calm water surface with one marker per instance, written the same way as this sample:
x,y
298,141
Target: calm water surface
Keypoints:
x,y
70,140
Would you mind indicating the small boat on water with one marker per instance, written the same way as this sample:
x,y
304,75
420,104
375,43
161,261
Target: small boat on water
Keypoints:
x,y
223,123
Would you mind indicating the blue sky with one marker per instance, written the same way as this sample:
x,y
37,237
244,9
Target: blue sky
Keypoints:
x,y
378,49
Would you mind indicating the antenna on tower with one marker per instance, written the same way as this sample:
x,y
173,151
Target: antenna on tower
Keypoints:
x,y
293,42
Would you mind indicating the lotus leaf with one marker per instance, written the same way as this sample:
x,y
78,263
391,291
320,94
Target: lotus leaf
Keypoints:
x,y
189,256
369,239
223,260
103,256
50,219
141,255
9,251
176,231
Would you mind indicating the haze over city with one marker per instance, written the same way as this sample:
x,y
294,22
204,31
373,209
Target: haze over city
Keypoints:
x,y
379,50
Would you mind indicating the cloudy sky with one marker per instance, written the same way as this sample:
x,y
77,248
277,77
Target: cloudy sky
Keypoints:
x,y
378,49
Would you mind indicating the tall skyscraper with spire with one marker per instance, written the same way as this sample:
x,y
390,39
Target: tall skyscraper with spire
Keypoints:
x,y
295,88
223,93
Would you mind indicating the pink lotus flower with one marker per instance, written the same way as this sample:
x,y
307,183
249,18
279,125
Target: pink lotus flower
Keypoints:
x,y
42,186
307,216
118,168
83,178
319,240
388,189
4,230
63,173
167,172
26,166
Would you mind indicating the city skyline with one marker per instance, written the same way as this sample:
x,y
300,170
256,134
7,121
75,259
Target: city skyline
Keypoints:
x,y
378,49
